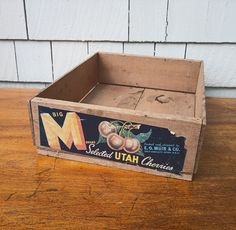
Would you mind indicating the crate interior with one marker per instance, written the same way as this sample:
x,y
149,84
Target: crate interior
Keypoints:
x,y
137,98
157,85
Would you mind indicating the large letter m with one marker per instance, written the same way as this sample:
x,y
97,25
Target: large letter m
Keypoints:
x,y
70,132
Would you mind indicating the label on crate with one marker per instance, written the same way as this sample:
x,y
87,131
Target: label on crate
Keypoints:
x,y
121,141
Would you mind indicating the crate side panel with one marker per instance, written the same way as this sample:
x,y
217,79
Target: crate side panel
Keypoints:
x,y
188,131
150,72
30,112
35,121
90,160
76,84
200,111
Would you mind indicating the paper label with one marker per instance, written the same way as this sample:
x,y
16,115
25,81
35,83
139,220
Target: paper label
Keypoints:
x,y
121,141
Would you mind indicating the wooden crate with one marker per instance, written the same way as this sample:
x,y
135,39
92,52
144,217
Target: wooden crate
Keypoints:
x,y
138,113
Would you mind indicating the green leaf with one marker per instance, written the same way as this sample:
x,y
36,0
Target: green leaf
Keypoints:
x,y
117,124
101,140
142,137
127,133
140,153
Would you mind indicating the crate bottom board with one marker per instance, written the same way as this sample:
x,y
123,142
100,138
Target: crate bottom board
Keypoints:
x,y
144,99
86,159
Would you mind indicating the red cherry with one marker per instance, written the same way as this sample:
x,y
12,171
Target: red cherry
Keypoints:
x,y
132,145
115,141
105,128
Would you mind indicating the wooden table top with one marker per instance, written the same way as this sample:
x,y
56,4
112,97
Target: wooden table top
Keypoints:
x,y
39,192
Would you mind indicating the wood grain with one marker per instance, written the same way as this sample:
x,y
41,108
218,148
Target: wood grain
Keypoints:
x,y
182,125
114,96
77,83
39,192
167,102
148,72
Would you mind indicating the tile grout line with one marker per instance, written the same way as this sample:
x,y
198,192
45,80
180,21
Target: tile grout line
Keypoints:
x,y
167,14
26,21
154,53
17,71
129,20
53,77
116,41
38,82
31,82
185,50
87,47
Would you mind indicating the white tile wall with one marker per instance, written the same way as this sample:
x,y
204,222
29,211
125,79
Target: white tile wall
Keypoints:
x,y
170,50
139,48
219,61
78,19
75,28
37,85
34,61
12,20
202,21
94,47
221,92
8,70
147,20
67,55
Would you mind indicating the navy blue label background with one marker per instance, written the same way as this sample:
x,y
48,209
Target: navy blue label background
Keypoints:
x,y
90,127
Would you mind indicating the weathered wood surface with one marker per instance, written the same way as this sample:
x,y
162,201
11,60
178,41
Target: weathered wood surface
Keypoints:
x,y
38,192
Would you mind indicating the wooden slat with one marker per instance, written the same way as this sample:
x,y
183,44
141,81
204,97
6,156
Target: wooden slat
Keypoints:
x,y
76,84
150,72
200,111
182,126
100,161
167,102
114,96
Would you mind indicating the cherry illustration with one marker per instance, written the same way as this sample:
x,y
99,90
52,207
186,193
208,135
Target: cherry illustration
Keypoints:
x,y
105,128
132,145
115,141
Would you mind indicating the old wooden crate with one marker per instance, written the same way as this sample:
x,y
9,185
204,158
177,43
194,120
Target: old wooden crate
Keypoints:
x,y
145,114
